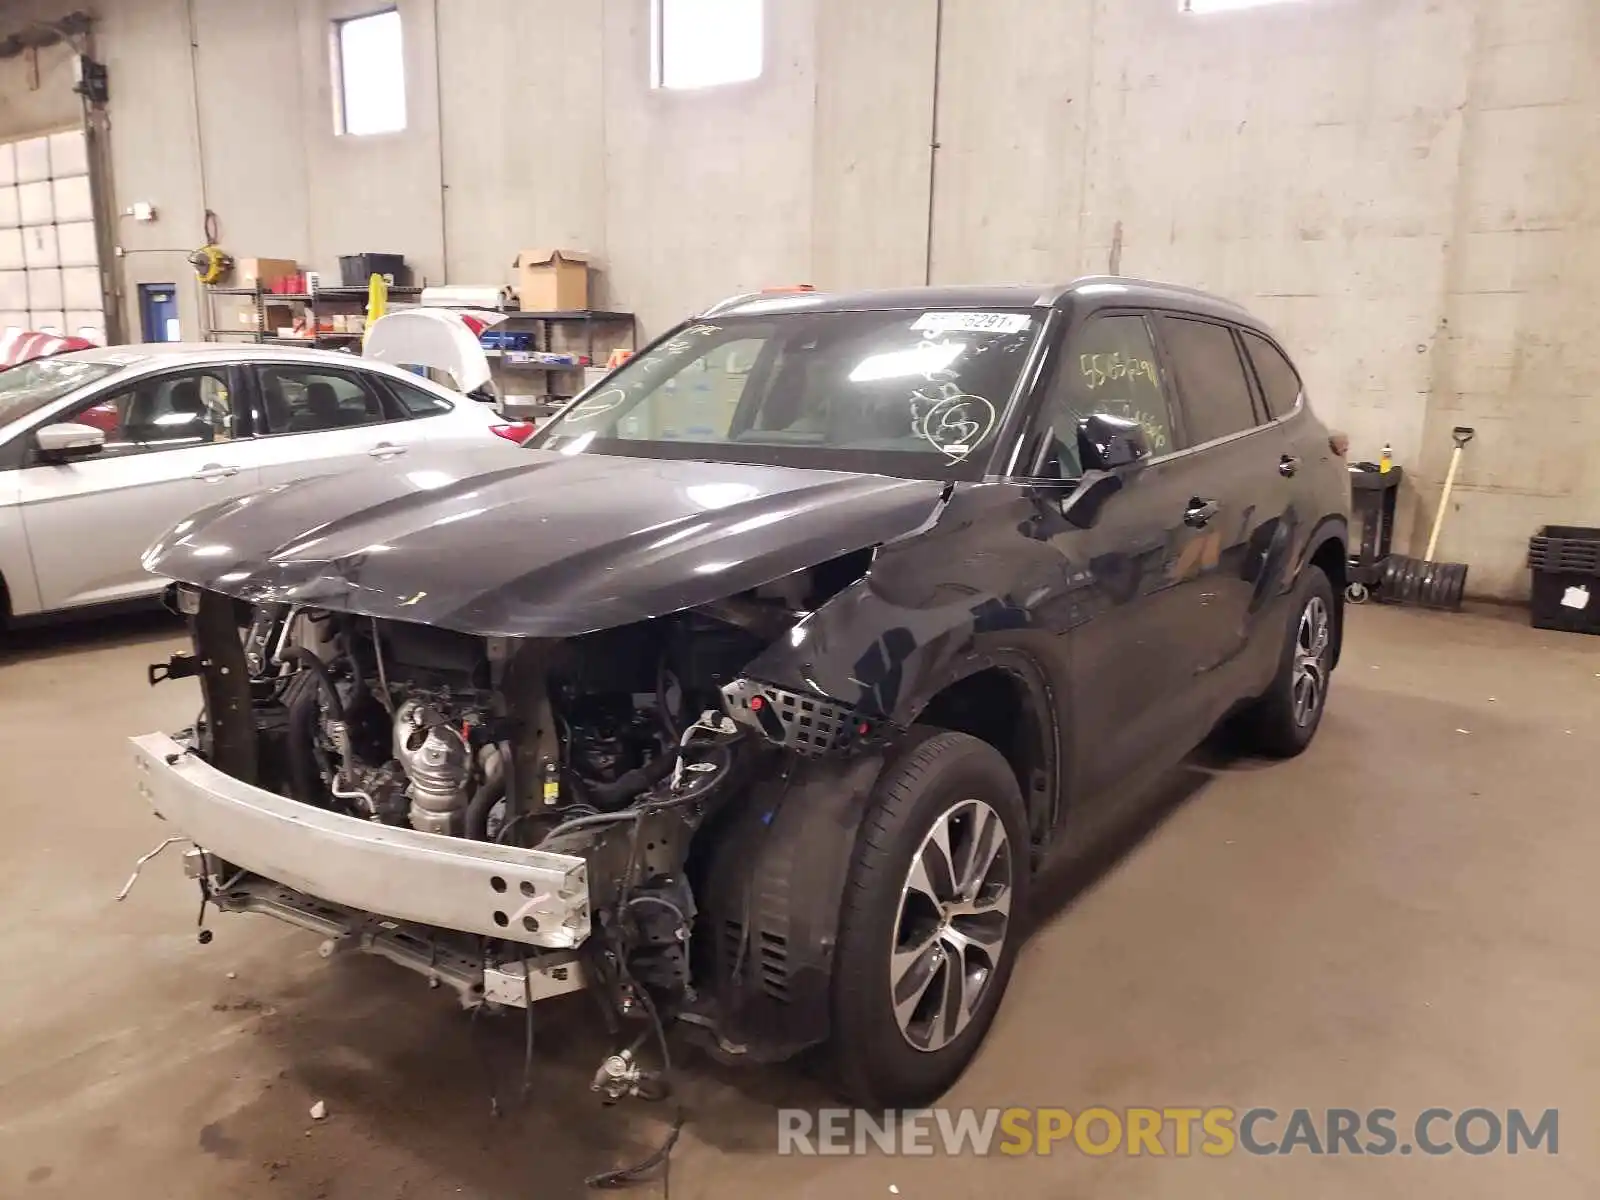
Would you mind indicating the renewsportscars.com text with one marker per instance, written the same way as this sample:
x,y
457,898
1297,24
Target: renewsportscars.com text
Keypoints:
x,y
1177,1132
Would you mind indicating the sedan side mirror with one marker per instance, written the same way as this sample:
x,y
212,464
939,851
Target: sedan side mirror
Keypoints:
x,y
67,441
1106,442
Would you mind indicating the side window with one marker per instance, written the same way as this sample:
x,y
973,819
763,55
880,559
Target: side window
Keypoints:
x,y
1278,378
1210,377
309,400
165,412
416,401
1109,367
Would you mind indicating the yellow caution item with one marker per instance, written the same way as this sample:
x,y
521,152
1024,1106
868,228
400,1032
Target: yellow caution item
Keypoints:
x,y
377,302
210,263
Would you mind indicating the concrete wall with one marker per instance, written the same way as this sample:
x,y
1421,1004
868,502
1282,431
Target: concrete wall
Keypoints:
x,y
27,108
1405,187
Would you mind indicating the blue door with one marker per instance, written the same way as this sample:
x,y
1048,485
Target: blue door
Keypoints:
x,y
158,312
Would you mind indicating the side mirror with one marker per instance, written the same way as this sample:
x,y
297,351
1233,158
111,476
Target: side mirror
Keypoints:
x,y
67,441
1106,443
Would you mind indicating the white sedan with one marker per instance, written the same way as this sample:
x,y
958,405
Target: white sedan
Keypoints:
x,y
101,450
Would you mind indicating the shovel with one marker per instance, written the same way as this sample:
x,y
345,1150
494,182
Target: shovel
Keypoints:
x,y
1422,581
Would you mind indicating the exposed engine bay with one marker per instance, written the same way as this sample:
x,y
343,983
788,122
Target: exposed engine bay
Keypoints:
x,y
633,759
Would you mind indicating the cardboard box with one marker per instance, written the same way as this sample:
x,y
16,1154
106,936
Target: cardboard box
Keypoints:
x,y
248,272
552,280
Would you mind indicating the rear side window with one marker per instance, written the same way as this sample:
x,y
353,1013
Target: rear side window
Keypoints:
x,y
1211,380
1277,376
416,401
309,400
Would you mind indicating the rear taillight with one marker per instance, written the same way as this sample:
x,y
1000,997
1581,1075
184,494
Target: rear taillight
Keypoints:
x,y
1339,443
516,431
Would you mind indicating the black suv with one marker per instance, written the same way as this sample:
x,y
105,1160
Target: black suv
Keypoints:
x,y
753,691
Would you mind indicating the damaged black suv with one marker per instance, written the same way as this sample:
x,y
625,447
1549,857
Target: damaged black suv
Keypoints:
x,y
754,690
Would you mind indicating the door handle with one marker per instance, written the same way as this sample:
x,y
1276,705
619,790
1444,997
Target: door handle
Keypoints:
x,y
1200,512
1288,465
213,472
386,450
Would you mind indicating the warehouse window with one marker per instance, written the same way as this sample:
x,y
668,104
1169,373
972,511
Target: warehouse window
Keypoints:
x,y
370,75
703,43
1205,6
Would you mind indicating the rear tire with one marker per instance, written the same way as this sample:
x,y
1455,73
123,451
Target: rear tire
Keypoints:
x,y
939,880
1284,720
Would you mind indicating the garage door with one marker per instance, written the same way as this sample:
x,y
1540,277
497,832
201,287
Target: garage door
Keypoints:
x,y
49,262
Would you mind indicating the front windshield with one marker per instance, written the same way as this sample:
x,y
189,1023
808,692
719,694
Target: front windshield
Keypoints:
x,y
28,387
898,392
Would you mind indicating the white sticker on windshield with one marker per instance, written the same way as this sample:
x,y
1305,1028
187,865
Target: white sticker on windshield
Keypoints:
x,y
971,322
952,421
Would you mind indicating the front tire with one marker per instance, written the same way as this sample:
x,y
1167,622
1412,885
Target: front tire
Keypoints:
x,y
931,920
1284,720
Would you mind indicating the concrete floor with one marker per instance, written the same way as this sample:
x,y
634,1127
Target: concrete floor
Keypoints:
x,y
1400,918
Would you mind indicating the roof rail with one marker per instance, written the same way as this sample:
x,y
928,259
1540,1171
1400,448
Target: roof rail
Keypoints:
x,y
722,306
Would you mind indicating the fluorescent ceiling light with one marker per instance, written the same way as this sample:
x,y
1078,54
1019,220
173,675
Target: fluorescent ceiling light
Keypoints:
x,y
926,359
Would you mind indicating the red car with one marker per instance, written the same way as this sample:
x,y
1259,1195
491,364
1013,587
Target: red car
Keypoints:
x,y
21,345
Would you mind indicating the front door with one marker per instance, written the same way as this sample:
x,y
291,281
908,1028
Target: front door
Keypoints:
x,y
171,448
1133,606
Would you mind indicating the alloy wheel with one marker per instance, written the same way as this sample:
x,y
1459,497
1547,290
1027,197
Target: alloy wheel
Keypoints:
x,y
955,915
1312,640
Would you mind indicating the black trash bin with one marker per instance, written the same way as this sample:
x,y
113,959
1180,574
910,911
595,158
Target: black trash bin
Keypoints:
x,y
1565,560
1372,497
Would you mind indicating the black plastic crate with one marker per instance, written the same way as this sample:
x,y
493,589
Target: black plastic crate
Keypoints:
x,y
1565,560
357,270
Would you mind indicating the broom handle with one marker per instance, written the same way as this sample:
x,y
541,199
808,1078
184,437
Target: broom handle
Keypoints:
x,y
1444,501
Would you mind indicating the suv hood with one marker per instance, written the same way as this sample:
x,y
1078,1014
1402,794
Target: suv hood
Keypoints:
x,y
502,541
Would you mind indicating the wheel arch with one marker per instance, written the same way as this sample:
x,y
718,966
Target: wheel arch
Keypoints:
x,y
1328,549
1006,702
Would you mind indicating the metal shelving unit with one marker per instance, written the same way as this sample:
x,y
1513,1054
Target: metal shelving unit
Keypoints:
x,y
588,328
320,301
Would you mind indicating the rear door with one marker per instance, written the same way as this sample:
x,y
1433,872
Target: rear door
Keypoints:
x,y
312,419
172,447
1242,476
441,421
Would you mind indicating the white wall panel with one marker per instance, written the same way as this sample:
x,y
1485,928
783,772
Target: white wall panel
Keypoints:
x,y
71,199
78,247
40,247
33,160
44,290
69,154
35,205
80,287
